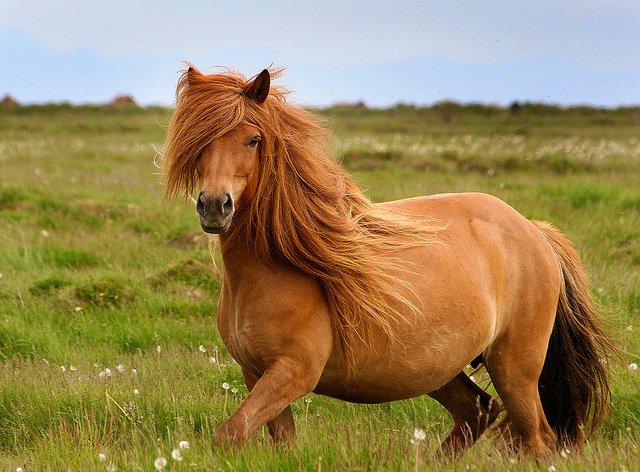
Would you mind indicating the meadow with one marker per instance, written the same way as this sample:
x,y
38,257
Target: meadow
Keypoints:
x,y
109,353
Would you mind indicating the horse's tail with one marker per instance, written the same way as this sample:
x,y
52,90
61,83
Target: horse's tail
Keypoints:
x,y
574,384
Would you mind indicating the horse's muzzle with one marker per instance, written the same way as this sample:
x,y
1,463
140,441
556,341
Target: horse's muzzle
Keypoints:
x,y
215,211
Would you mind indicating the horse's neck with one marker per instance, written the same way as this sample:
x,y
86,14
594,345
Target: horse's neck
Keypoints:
x,y
239,260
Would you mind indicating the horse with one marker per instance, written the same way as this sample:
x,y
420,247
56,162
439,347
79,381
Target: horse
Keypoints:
x,y
327,292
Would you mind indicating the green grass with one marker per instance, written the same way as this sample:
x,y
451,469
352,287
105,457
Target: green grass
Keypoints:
x,y
98,272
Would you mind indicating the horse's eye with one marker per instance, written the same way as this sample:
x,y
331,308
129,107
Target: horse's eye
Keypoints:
x,y
254,142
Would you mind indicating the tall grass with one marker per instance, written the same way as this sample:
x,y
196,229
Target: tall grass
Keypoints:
x,y
108,344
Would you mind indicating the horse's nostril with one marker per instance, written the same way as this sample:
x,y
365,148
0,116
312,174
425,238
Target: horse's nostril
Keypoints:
x,y
227,205
200,205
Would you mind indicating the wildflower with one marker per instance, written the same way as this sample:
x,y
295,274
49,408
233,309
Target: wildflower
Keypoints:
x,y
176,455
564,453
160,463
629,328
633,366
226,386
212,360
552,468
19,469
73,368
134,372
136,391
78,308
307,400
106,373
202,349
158,349
183,444
419,434
234,390
111,467
63,369
120,368
44,233
102,457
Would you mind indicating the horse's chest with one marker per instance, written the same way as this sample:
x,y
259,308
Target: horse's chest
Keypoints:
x,y
239,338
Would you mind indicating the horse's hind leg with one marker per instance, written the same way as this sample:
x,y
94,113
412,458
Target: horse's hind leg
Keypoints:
x,y
473,411
514,364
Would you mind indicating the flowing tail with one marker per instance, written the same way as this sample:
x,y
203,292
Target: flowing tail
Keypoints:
x,y
574,384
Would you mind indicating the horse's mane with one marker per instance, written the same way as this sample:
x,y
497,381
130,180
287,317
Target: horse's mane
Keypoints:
x,y
306,211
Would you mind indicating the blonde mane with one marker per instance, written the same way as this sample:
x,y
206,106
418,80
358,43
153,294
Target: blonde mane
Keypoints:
x,y
306,211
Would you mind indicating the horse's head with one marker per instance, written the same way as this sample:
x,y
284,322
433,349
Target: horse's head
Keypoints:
x,y
227,168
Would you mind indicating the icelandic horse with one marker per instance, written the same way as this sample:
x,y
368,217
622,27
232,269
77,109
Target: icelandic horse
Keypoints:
x,y
326,292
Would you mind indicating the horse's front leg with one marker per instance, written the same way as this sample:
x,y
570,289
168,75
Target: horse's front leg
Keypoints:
x,y
282,428
284,381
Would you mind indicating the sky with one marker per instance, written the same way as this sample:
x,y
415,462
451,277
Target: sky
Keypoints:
x,y
380,52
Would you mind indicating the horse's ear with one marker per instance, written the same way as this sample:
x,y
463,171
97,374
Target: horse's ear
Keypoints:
x,y
258,89
192,75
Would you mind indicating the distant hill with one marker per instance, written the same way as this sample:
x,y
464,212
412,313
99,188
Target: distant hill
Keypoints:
x,y
123,101
9,101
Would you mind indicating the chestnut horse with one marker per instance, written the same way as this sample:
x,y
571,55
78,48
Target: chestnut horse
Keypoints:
x,y
327,292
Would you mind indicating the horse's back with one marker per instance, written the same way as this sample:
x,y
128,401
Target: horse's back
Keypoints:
x,y
488,243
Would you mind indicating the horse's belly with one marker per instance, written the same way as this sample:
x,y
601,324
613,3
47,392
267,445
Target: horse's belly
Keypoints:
x,y
421,361
377,385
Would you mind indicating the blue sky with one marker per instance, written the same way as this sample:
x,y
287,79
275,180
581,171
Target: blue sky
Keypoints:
x,y
566,52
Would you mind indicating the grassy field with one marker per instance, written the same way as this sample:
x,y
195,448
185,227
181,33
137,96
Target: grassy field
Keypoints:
x,y
109,354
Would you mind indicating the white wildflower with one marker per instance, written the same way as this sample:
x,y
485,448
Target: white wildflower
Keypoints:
x,y
183,445
102,457
120,368
73,368
134,372
629,328
160,463
552,468
19,469
564,453
136,391
63,369
78,308
111,467
158,350
212,360
226,386
419,434
201,348
176,455
44,233
633,366
106,373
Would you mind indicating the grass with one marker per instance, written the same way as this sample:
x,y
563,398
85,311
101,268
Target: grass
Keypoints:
x,y
98,273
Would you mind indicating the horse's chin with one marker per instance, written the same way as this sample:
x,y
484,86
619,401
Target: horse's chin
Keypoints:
x,y
216,229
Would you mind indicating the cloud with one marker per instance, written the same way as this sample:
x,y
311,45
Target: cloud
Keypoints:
x,y
593,34
34,72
